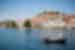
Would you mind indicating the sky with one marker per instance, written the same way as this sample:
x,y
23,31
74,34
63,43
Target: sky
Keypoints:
x,y
11,9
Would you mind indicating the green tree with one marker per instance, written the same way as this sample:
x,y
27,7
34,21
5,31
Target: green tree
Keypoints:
x,y
13,24
27,23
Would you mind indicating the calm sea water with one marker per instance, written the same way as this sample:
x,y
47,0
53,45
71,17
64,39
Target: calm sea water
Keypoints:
x,y
29,39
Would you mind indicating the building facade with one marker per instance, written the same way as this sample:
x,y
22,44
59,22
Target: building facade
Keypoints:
x,y
49,19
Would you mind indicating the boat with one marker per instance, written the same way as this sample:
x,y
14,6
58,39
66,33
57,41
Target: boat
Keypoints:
x,y
54,34
56,38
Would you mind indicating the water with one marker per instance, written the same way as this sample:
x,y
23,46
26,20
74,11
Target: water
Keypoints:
x,y
29,39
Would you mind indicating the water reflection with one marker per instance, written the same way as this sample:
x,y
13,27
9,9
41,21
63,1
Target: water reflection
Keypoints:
x,y
28,38
28,31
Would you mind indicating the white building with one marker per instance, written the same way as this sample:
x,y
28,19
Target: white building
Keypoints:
x,y
54,22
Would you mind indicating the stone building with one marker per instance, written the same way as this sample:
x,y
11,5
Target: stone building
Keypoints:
x,y
69,20
47,18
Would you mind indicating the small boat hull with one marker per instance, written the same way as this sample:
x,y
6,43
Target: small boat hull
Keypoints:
x,y
47,41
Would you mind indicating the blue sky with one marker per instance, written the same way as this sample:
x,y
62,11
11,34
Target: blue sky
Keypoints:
x,y
10,9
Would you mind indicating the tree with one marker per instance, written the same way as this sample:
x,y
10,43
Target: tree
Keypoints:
x,y
27,24
11,24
